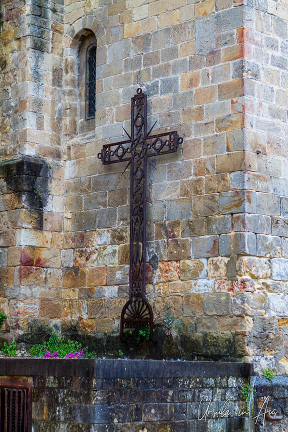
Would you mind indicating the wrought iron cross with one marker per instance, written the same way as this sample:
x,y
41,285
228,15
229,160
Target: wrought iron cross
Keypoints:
x,y
137,312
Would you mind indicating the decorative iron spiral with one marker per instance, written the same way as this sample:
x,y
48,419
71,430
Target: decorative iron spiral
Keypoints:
x,y
137,313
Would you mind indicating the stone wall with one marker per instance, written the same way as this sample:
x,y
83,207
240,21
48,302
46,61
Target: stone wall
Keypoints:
x,y
213,70
265,221
31,67
190,83
120,395
270,404
12,65
32,171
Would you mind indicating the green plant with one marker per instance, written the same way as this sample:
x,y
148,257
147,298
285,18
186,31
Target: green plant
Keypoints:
x,y
3,318
10,350
140,334
38,194
168,321
268,373
89,354
247,392
60,345
120,353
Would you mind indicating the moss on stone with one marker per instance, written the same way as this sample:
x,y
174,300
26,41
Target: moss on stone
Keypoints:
x,y
192,344
170,348
240,345
219,344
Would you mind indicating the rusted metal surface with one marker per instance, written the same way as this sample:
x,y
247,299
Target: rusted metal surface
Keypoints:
x,y
137,312
15,408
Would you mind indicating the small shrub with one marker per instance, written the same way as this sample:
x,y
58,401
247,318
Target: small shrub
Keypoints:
x,y
89,354
140,335
269,373
57,347
247,392
10,350
3,318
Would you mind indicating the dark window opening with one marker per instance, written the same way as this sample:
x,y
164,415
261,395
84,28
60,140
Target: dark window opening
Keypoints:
x,y
90,96
15,409
1,16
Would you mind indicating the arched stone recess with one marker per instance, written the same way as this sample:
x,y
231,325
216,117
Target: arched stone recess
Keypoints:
x,y
81,35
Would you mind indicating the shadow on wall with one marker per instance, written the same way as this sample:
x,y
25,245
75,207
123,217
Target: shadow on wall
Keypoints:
x,y
28,179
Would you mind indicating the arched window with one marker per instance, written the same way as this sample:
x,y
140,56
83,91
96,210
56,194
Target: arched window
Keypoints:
x,y
1,17
90,82
80,83
87,82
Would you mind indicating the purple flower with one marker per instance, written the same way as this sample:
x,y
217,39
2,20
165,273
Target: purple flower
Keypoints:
x,y
71,355
53,355
77,354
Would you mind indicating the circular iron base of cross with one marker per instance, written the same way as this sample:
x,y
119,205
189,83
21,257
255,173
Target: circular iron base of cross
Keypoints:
x,y
136,314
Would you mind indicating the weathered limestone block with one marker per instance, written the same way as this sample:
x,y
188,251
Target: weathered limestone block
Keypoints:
x,y
167,272
179,249
218,344
192,269
217,304
202,286
217,267
249,304
193,305
279,269
176,306
277,304
116,275
269,246
97,309
75,277
205,34
25,308
177,287
256,268
237,243
30,276
239,285
193,227
169,229
236,324
204,247
219,224
96,276
206,205
47,258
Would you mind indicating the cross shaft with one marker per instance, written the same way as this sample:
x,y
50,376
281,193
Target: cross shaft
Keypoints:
x,y
137,312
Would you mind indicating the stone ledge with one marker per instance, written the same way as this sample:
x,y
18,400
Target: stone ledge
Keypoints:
x,y
28,178
118,368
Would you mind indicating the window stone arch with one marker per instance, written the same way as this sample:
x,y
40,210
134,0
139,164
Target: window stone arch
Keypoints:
x,y
81,40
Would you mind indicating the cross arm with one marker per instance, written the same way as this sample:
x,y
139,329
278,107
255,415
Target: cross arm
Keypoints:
x,y
116,152
163,143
